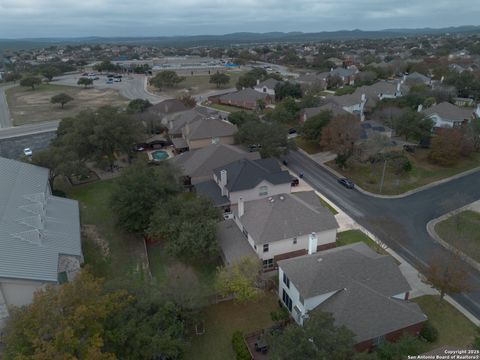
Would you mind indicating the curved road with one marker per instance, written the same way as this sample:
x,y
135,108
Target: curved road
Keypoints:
x,y
400,223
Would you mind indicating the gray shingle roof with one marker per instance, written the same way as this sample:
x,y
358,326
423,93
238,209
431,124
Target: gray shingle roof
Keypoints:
x,y
245,95
201,162
211,190
246,174
233,243
167,107
269,83
335,109
35,227
209,127
286,216
364,282
449,111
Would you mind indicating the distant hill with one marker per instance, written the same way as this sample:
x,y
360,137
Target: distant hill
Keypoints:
x,y
234,38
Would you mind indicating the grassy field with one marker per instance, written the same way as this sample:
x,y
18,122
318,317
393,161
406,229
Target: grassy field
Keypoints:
x,y
462,231
223,319
30,106
198,84
454,329
108,251
354,236
311,147
423,172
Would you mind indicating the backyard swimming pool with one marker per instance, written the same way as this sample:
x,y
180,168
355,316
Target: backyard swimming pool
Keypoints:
x,y
159,155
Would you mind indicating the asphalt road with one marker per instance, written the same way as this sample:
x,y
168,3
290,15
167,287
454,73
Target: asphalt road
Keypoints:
x,y
131,87
400,223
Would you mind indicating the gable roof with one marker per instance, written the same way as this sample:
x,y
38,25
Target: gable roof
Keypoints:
x,y
245,95
449,112
35,227
202,162
208,127
246,174
334,108
363,284
269,83
178,120
167,107
286,216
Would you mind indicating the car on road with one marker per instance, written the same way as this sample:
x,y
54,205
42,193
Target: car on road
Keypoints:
x,y
347,183
27,152
117,79
109,81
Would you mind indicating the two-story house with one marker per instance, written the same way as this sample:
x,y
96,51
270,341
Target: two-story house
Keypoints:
x,y
363,290
267,87
279,226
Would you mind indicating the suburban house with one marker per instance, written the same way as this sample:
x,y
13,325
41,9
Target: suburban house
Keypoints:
x,y
267,86
246,179
206,131
39,234
363,290
351,103
166,107
176,121
315,80
333,108
199,164
416,78
246,98
277,227
448,115
384,90
347,75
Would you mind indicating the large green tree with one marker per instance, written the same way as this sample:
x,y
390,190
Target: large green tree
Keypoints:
x,y
138,106
61,99
50,72
239,118
31,81
288,89
412,124
63,322
188,225
250,78
219,79
166,79
317,339
312,128
272,138
138,191
85,81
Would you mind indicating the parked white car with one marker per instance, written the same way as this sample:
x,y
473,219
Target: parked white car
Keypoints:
x,y
27,152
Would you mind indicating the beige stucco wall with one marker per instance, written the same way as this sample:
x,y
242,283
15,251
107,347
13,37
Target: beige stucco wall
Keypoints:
x,y
19,292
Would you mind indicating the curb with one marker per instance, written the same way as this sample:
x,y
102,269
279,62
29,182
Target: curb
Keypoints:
x,y
399,196
431,231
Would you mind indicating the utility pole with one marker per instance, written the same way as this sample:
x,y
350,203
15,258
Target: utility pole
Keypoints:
x,y
383,175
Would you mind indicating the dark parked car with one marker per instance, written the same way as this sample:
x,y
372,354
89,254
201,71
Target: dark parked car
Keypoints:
x,y
295,181
347,183
292,131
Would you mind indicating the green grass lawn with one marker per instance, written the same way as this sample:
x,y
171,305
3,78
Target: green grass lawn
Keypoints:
x,y
462,231
423,172
327,205
354,236
223,319
29,106
454,329
125,251
311,147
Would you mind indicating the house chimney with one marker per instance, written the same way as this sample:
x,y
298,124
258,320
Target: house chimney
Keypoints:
x,y
404,78
331,69
241,207
363,98
477,110
258,81
312,243
398,87
419,108
223,182
442,78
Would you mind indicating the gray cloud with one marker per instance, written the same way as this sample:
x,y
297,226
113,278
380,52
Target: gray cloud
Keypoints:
x,y
65,18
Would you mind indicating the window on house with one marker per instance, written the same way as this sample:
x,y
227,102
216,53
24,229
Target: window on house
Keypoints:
x,y
263,190
265,248
286,280
268,264
294,240
286,300
378,340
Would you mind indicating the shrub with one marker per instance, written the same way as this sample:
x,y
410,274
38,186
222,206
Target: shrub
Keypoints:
x,y
429,333
239,346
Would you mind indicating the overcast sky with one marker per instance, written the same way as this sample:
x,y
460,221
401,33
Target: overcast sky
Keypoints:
x,y
73,18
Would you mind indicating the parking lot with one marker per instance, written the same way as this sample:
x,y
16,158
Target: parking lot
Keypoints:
x,y
12,148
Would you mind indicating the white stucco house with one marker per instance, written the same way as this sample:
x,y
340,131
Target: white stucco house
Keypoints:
x,y
246,179
447,115
39,234
277,227
363,290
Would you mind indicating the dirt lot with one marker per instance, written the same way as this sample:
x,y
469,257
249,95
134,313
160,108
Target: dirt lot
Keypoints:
x,y
197,84
30,106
